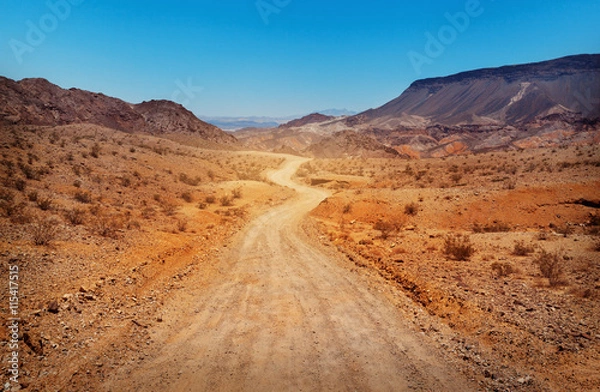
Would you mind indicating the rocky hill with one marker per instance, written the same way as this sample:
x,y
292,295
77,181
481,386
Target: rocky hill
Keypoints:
x,y
350,144
39,102
511,95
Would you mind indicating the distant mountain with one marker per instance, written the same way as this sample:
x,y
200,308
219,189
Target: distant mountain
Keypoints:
x,y
310,119
337,112
510,95
39,102
236,123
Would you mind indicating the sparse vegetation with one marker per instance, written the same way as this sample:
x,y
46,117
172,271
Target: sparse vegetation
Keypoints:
x,y
502,269
551,266
387,228
411,209
521,249
458,247
226,201
45,203
83,197
44,231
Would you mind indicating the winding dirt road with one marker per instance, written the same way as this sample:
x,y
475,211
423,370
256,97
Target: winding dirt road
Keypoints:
x,y
283,316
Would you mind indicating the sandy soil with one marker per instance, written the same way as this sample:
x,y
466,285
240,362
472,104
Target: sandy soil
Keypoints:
x,y
281,314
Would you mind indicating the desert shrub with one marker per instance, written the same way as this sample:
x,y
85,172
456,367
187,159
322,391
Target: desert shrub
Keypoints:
x,y
33,196
182,225
502,269
387,228
456,177
226,201
107,226
347,209
188,180
237,193
411,209
44,231
495,227
210,199
95,150
168,208
565,230
75,216
551,266
20,184
45,203
30,172
596,247
202,206
520,249
8,204
83,197
126,181
187,197
458,247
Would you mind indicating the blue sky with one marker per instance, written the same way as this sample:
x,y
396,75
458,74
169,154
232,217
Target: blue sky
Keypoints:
x,y
280,57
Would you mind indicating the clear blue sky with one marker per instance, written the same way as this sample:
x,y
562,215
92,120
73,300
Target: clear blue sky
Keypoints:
x,y
278,57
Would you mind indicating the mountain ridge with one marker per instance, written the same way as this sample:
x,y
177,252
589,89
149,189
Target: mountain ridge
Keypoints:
x,y
36,101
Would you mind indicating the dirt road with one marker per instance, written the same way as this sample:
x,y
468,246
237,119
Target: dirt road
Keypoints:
x,y
282,316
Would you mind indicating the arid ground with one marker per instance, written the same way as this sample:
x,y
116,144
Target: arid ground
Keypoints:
x,y
145,264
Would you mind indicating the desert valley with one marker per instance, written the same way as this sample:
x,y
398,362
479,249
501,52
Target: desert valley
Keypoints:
x,y
448,240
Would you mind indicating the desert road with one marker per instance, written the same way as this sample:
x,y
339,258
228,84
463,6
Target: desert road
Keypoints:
x,y
283,316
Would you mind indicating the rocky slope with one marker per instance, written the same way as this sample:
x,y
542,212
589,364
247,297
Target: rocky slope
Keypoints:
x,y
39,102
511,95
350,144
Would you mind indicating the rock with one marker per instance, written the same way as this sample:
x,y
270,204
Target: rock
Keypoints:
x,y
53,307
34,343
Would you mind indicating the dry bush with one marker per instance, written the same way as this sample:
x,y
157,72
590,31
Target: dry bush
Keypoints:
x,y
187,197
551,266
188,180
210,199
458,247
9,205
182,225
237,193
387,228
95,150
411,209
347,209
75,216
596,247
83,197
108,226
33,196
168,208
495,227
520,249
226,201
45,203
502,269
44,231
